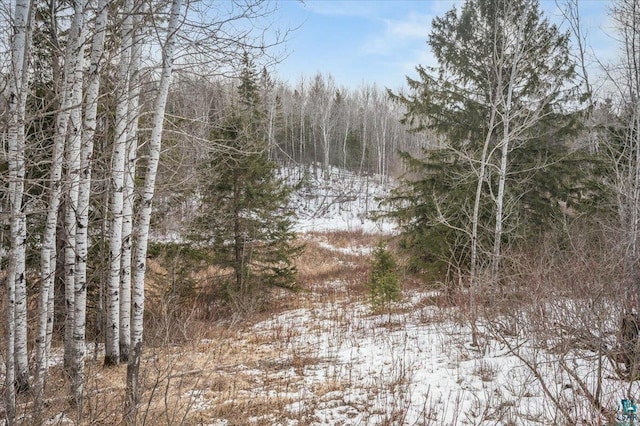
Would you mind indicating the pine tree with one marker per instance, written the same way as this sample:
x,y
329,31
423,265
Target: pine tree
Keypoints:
x,y
244,214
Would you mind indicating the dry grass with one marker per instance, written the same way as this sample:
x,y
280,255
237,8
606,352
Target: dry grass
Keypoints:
x,y
332,257
194,370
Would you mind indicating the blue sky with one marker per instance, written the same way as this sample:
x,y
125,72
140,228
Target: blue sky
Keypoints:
x,y
381,41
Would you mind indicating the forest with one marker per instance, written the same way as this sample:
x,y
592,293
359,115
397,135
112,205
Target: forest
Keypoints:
x,y
156,172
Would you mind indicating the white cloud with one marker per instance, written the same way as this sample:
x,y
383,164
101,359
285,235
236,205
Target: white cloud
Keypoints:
x,y
414,26
399,35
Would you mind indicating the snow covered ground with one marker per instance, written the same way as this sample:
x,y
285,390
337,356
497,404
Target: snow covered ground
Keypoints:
x,y
328,359
337,201
332,360
337,363
415,367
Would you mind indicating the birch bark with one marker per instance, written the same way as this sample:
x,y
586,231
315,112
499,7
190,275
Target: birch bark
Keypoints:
x,y
506,114
84,190
17,369
48,254
74,137
128,196
142,228
112,335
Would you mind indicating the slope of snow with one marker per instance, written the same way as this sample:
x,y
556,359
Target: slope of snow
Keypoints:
x,y
337,200
334,362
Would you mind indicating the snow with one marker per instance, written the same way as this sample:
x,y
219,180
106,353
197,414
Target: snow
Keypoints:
x,y
412,366
59,420
337,200
342,364
335,362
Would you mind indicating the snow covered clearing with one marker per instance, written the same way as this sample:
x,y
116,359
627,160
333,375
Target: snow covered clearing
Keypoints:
x,y
331,360
324,357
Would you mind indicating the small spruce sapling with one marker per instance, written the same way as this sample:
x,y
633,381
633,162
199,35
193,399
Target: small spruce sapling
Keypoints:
x,y
384,286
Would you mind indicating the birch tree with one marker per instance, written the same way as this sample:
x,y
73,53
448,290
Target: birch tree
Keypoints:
x,y
365,99
380,131
133,111
512,36
302,122
118,161
146,205
84,192
74,296
48,254
324,102
16,372
533,90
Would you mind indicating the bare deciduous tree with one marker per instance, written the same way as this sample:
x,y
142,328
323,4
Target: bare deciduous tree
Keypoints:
x,y
17,370
142,227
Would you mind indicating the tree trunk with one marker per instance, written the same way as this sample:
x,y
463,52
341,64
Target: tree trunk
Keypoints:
x,y
48,253
363,142
142,228
17,369
473,273
84,191
506,115
112,343
73,152
128,197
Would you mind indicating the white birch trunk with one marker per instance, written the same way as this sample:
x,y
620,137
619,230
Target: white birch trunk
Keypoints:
x,y
67,130
345,138
271,146
303,103
484,161
17,371
72,153
48,254
112,341
506,114
84,189
142,228
497,237
128,197
363,142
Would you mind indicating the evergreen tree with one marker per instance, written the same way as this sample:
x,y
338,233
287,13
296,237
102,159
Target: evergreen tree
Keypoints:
x,y
384,286
498,102
244,214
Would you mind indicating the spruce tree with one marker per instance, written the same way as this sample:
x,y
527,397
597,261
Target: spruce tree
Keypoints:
x,y
498,102
384,286
244,212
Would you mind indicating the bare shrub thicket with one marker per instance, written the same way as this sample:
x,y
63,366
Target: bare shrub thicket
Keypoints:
x,y
559,311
